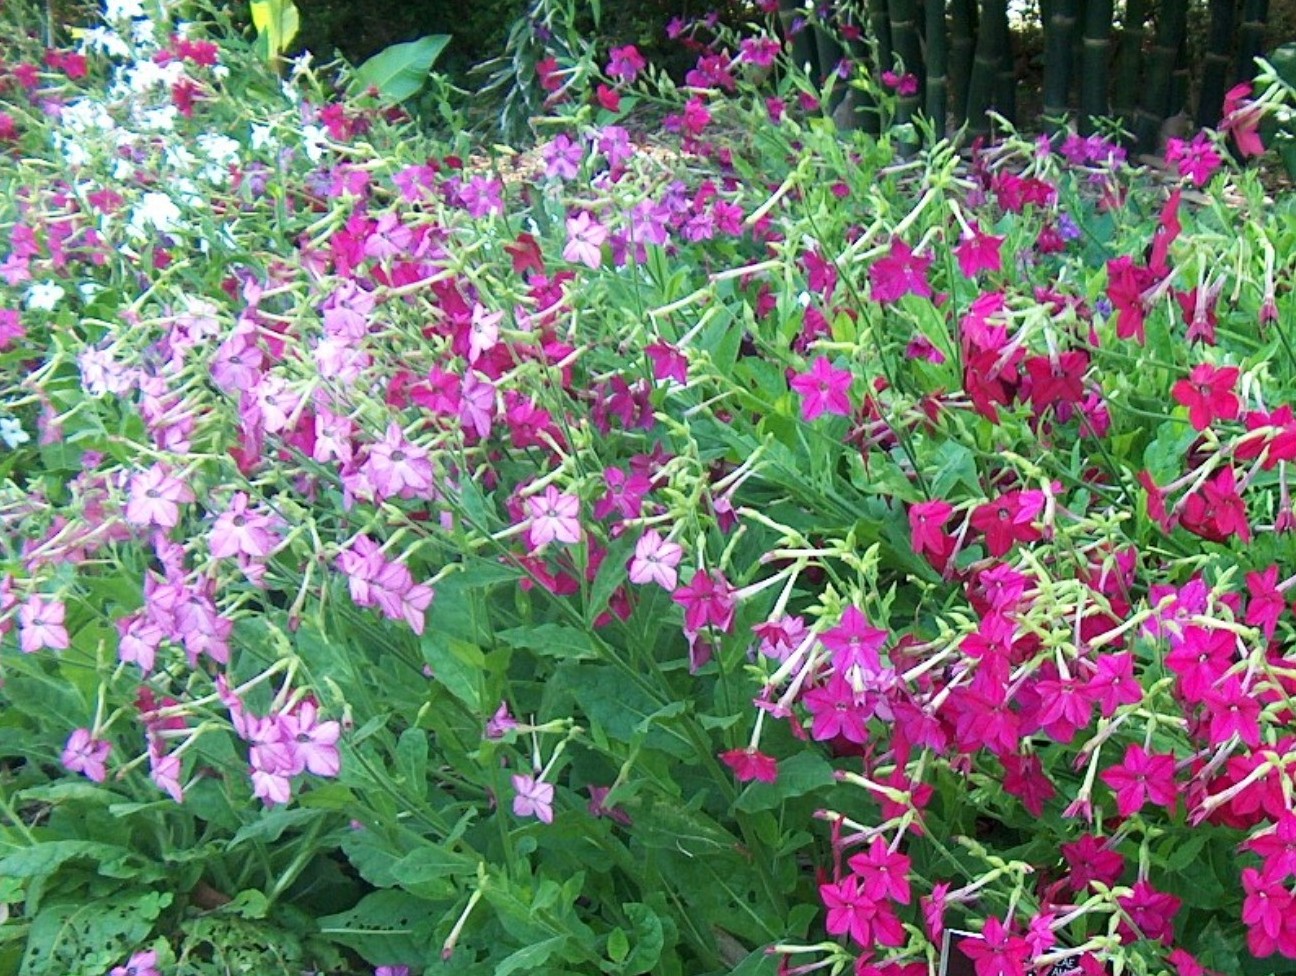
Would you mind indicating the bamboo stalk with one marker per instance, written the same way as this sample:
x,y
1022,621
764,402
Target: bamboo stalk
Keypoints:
x,y
1215,63
880,22
1251,32
1094,63
963,17
803,47
1130,65
828,54
1172,27
906,46
858,108
990,44
1006,79
936,65
1059,32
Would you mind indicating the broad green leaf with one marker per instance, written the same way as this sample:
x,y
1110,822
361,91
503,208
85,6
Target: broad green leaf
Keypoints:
x,y
276,21
86,938
270,826
457,665
551,640
528,958
801,774
386,927
648,941
45,858
400,71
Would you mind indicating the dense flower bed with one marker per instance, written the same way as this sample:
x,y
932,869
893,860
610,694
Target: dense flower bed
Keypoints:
x,y
771,554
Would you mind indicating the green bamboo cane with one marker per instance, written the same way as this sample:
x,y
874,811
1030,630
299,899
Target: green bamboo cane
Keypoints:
x,y
990,43
1216,62
1094,62
1006,78
906,46
1130,65
1059,33
1251,32
962,44
803,46
1180,83
858,108
828,54
880,23
937,67
1172,27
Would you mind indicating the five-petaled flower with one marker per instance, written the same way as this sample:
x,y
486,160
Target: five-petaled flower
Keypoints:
x,y
823,389
1208,394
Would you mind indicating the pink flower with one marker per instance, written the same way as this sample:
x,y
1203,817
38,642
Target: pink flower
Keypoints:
x,y
823,390
563,158
997,952
854,642
164,770
884,873
483,332
707,599
85,754
140,964
654,561
555,517
1241,118
315,742
396,467
40,623
239,531
533,798
155,498
585,237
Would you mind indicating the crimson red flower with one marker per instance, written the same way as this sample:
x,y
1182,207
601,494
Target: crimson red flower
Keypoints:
x,y
1091,859
1217,510
884,872
1151,912
1008,519
1208,394
750,764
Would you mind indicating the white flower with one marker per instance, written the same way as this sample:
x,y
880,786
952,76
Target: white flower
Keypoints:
x,y
156,210
315,137
115,11
105,40
11,432
44,296
262,136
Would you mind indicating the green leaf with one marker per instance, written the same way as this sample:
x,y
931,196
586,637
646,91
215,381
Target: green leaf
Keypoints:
x,y
528,958
430,864
86,938
551,640
801,774
457,665
276,21
45,858
649,939
400,71
269,826
618,945
386,927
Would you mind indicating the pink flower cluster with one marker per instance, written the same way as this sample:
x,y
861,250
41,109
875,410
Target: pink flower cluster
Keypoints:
x,y
377,581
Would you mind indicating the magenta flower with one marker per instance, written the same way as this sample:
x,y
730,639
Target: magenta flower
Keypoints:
x,y
40,624
654,561
625,63
555,517
85,754
1197,161
155,498
978,251
1142,776
823,390
900,273
707,599
585,237
867,921
483,331
534,798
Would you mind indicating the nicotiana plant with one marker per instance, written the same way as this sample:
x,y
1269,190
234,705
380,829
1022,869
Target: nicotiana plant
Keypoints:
x,y
707,544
